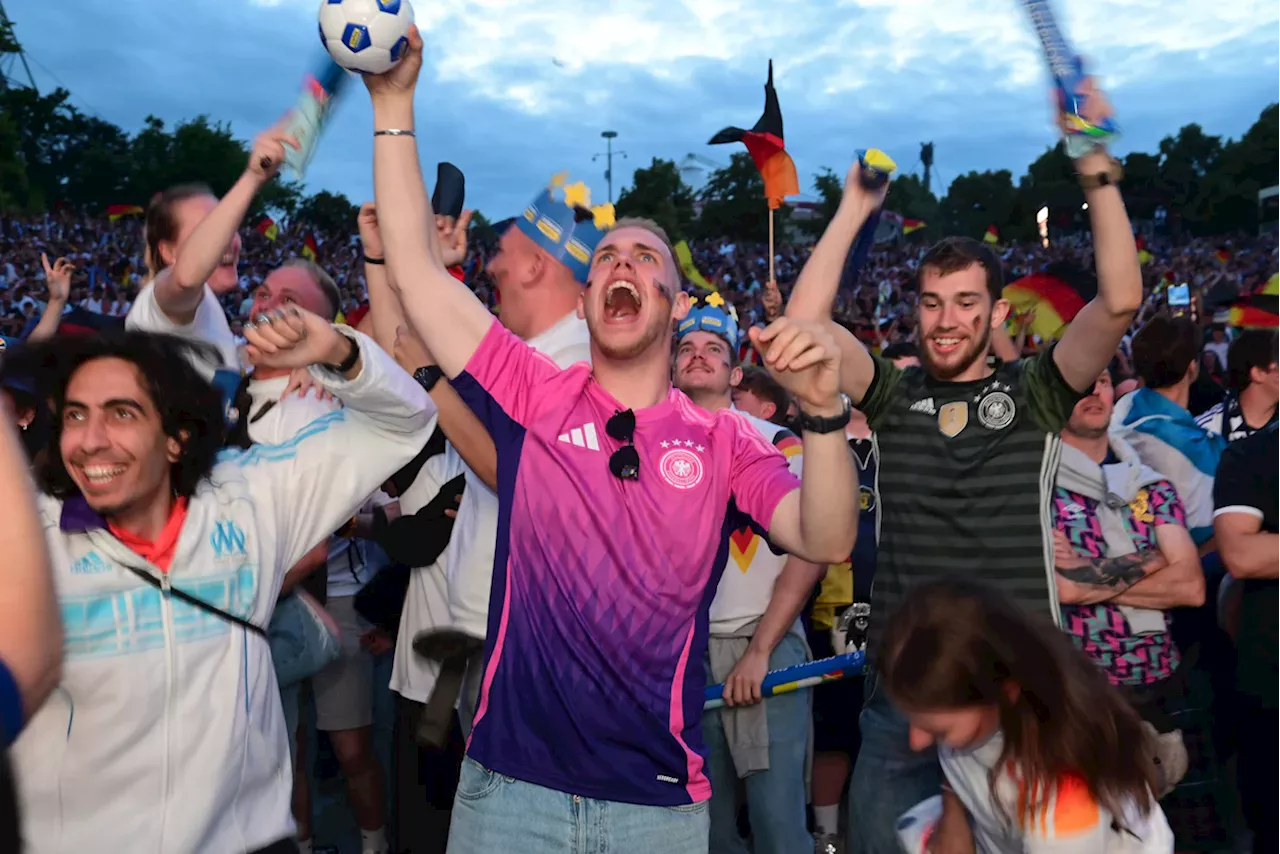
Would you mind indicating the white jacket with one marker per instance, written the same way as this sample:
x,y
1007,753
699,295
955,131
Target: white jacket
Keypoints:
x,y
166,734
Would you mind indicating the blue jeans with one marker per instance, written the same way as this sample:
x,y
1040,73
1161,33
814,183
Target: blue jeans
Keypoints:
x,y
775,798
889,778
493,813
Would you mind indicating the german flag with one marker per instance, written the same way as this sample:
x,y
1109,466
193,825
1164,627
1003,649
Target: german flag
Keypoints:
x,y
992,235
1222,255
911,225
788,443
114,212
1056,296
1144,257
1259,309
268,228
309,249
768,151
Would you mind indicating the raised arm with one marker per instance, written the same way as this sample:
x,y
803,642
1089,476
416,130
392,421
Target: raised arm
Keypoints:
x,y
180,288
57,279
310,486
815,289
1093,336
441,310
30,626
459,423
819,521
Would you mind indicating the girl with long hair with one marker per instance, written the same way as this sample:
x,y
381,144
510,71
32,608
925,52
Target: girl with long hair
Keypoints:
x,y
1040,753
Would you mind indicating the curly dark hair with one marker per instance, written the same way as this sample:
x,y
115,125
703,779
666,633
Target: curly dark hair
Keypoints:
x,y
190,409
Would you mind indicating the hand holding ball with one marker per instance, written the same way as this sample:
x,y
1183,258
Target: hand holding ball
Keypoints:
x,y
369,36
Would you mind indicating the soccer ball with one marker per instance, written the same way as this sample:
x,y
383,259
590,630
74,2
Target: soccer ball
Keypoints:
x,y
368,36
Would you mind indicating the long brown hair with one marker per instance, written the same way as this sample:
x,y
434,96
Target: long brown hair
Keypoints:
x,y
955,643
162,225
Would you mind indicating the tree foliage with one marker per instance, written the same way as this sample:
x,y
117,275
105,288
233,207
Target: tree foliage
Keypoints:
x,y
52,155
659,192
1205,184
733,203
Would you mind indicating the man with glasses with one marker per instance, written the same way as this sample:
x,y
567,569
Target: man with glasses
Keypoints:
x,y
754,627
587,734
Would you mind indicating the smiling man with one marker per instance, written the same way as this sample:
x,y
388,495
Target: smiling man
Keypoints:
x,y
166,732
614,492
968,450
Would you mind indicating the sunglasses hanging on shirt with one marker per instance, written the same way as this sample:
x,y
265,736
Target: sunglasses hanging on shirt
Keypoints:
x,y
625,462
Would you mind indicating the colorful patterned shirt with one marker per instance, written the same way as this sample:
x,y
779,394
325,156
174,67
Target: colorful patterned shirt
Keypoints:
x,y
1101,631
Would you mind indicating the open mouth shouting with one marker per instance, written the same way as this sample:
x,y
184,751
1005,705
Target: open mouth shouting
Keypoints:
x,y
621,301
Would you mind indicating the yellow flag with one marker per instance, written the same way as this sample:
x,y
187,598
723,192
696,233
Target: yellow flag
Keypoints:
x,y
685,256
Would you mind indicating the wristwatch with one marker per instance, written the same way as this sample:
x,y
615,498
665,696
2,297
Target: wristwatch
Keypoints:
x,y
428,376
1114,172
829,424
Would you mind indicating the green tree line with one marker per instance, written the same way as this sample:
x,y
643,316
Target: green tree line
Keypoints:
x,y
1206,185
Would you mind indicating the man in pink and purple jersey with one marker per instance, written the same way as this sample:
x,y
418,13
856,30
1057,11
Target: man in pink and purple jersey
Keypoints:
x,y
754,628
587,735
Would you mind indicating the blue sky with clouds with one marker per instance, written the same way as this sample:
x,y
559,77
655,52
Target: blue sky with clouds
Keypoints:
x,y
514,91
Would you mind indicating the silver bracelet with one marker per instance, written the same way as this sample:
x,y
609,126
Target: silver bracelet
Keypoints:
x,y
393,132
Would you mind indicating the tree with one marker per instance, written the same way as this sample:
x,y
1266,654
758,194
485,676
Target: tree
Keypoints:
x,y
1050,182
908,197
481,230
327,211
659,192
734,206
978,200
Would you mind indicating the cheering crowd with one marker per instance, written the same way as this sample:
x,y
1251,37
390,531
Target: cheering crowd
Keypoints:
x,y
565,495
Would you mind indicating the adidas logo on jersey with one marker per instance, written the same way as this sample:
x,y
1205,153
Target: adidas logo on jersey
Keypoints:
x,y
926,406
581,437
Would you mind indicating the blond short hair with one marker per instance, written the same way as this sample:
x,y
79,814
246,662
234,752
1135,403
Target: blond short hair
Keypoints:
x,y
658,232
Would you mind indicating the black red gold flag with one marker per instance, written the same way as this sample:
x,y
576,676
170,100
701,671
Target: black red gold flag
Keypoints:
x,y
767,149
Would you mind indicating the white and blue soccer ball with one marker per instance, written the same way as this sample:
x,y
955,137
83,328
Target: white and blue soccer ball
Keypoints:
x,y
369,36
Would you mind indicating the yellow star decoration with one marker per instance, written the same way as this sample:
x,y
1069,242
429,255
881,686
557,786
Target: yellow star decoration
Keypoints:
x,y
714,299
558,179
577,195
603,216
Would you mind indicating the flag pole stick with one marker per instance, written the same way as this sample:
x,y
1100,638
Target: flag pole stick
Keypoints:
x,y
771,253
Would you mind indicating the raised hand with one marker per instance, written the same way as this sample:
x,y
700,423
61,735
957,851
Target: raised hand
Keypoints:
x,y
294,338
401,80
57,278
856,194
771,301
452,235
805,359
267,155
370,236
411,353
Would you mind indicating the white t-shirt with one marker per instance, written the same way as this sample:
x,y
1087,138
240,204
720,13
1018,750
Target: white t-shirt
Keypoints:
x,y
746,585
469,558
208,326
1068,821
426,602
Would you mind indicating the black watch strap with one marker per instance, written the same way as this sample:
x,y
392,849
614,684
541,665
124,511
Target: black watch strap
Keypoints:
x,y
428,376
828,424
353,355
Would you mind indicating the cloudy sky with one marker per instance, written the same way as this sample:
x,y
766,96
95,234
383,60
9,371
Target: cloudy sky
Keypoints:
x,y
514,90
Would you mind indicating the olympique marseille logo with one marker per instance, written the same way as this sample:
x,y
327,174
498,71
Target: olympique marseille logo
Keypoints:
x,y
681,467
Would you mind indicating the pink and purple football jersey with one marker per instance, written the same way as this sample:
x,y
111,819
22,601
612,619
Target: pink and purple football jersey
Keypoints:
x,y
597,628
